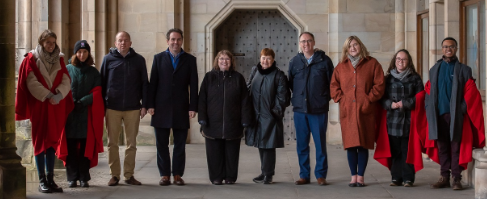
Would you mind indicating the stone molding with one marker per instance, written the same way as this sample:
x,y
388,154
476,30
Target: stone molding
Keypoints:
x,y
245,5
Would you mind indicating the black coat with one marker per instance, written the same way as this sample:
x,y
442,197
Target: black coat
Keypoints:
x,y
310,83
124,81
405,90
224,105
168,91
270,97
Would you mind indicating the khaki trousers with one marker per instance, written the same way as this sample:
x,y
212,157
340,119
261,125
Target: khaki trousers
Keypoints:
x,y
131,120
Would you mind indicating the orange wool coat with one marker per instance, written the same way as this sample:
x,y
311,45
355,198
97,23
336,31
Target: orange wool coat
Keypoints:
x,y
358,90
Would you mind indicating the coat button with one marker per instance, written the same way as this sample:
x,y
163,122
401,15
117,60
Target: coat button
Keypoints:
x,y
306,99
353,71
354,86
353,100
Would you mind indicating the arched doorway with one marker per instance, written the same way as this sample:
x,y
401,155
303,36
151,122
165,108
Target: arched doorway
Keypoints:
x,y
246,32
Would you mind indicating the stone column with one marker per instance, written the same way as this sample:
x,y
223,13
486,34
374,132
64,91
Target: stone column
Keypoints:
x,y
452,19
12,174
480,180
436,29
336,9
400,26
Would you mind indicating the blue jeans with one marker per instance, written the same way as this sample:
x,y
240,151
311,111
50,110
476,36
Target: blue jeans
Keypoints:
x,y
315,124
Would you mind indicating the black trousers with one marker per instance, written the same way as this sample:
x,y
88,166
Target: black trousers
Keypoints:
x,y
222,157
178,154
77,165
448,151
400,170
267,161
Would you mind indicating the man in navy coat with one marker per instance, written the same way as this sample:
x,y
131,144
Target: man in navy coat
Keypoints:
x,y
172,101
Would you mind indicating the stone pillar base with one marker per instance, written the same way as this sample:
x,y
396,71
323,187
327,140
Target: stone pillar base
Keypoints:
x,y
480,157
12,177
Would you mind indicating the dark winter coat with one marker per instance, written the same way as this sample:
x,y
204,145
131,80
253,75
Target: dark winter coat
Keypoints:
x,y
270,97
458,107
310,83
124,81
83,79
405,90
168,91
224,106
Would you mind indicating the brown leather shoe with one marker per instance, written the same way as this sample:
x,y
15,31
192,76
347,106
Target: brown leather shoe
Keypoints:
x,y
165,181
442,183
113,181
178,180
301,181
133,181
457,185
321,181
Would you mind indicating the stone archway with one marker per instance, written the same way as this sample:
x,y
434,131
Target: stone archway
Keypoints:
x,y
221,16
246,32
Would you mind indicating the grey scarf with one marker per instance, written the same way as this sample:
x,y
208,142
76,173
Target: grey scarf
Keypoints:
x,y
354,60
402,75
50,58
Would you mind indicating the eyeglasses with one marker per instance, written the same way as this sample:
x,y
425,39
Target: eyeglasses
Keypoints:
x,y
306,41
450,47
223,59
399,59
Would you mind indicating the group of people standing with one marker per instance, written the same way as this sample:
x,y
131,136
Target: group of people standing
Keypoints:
x,y
67,104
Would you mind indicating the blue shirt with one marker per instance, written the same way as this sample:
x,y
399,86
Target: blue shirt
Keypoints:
x,y
310,59
175,60
445,79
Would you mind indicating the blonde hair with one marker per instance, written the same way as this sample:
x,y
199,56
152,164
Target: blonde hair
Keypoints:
x,y
363,50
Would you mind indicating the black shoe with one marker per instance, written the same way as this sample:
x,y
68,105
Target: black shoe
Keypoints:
x,y
352,185
408,183
73,183
52,184
43,186
267,179
395,183
217,182
259,179
84,184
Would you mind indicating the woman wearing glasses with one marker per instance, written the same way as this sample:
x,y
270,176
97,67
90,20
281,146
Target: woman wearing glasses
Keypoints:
x,y
224,110
357,85
402,85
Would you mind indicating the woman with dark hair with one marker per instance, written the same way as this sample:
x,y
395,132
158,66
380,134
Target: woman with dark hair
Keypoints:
x,y
84,126
357,85
224,110
44,97
270,97
402,85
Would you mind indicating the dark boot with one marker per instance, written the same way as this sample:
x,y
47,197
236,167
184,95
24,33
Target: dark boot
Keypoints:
x,y
259,179
43,186
52,184
457,184
442,183
268,179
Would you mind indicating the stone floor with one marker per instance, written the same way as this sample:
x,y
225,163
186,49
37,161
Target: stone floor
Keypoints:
x,y
377,179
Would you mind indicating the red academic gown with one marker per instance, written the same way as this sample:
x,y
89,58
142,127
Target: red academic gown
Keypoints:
x,y
473,126
472,135
94,141
415,145
47,120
